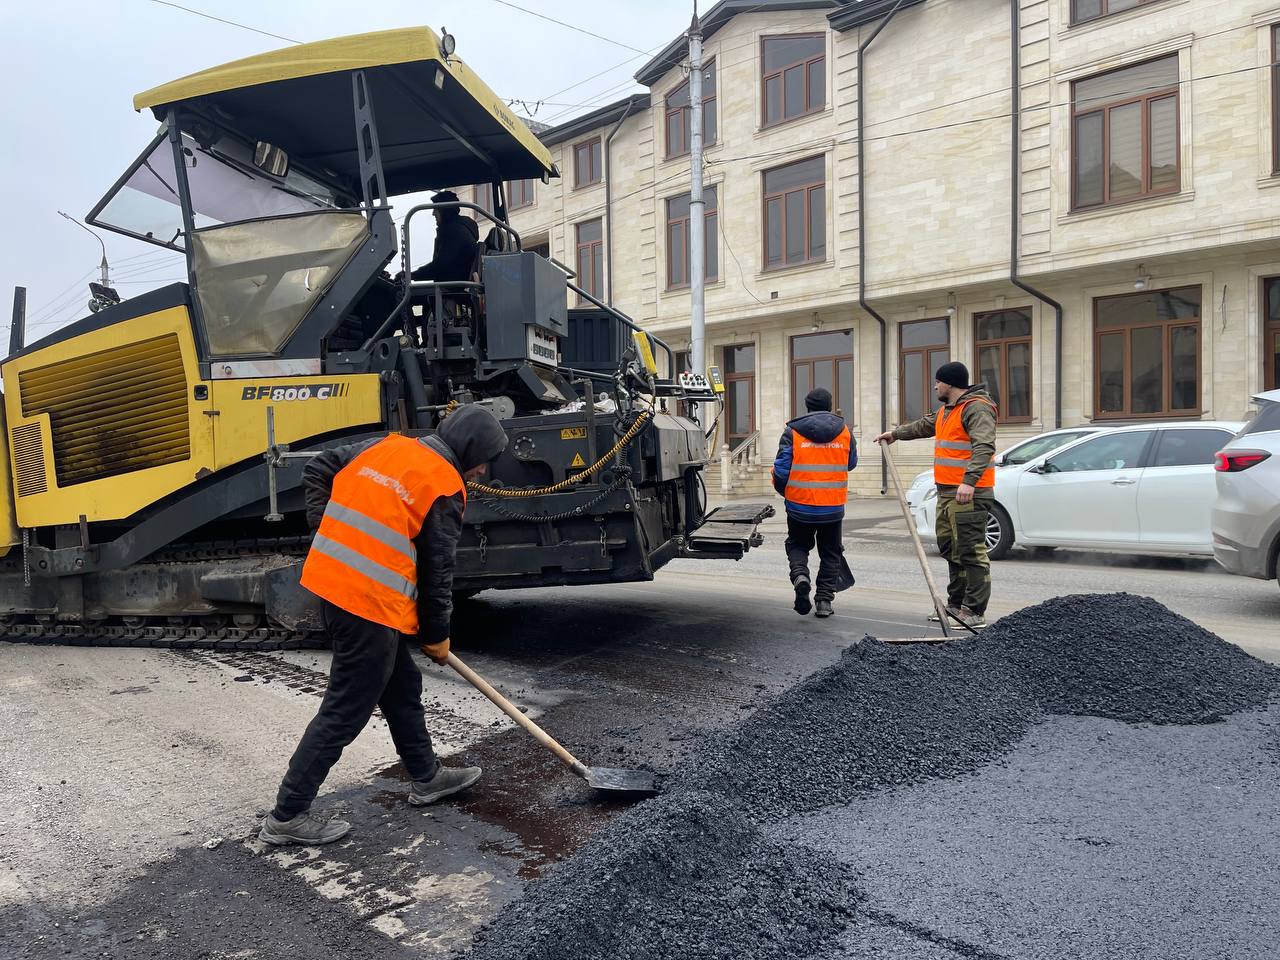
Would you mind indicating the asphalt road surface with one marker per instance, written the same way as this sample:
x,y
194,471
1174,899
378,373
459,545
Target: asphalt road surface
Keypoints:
x,y
133,780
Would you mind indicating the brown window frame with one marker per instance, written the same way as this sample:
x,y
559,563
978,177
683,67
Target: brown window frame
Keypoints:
x,y
930,398
1165,326
1270,333
710,217
594,163
765,123
1275,99
1004,343
686,123
1146,100
846,410
807,189
525,189
1106,11
731,378
595,253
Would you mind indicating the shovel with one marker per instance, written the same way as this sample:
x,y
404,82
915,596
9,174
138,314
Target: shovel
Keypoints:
x,y
608,779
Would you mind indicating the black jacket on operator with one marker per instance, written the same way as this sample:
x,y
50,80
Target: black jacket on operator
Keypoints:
x,y
469,437
454,253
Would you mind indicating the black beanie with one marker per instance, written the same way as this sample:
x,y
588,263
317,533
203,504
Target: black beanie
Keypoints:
x,y
953,374
818,399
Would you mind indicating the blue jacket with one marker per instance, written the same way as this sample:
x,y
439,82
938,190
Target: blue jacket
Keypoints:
x,y
820,427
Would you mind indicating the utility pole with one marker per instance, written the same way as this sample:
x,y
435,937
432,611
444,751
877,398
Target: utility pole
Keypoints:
x,y
697,215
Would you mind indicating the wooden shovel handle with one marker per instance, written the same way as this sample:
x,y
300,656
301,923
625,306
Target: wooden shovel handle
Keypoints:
x,y
938,603
512,711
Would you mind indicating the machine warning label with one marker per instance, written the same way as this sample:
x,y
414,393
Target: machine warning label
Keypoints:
x,y
577,461
308,391
573,433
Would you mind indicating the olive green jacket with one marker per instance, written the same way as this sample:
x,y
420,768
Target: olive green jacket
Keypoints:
x,y
979,422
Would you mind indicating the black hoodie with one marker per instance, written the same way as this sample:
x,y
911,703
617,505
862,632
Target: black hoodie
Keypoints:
x,y
469,437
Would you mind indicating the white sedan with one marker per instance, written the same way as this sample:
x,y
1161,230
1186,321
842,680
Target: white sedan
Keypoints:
x,y
1142,489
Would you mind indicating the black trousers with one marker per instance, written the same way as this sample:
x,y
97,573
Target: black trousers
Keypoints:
x,y
801,539
372,667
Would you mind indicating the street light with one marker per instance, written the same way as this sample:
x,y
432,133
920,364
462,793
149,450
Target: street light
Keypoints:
x,y
103,296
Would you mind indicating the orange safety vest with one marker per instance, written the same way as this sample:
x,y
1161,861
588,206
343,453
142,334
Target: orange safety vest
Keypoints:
x,y
819,471
363,558
952,449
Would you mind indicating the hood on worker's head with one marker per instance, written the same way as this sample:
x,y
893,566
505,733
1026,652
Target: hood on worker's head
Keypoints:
x,y
977,390
473,434
819,426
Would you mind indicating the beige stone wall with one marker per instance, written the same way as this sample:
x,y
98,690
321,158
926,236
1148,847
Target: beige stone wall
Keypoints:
x,y
939,184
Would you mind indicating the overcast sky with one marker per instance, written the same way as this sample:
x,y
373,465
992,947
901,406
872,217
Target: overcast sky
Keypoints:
x,y
71,68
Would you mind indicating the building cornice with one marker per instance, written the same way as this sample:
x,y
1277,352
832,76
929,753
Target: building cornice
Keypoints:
x,y
854,13
604,116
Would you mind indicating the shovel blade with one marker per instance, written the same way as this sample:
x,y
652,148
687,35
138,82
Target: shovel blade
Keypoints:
x,y
615,780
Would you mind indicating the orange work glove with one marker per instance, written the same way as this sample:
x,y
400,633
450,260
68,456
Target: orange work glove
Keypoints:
x,y
439,652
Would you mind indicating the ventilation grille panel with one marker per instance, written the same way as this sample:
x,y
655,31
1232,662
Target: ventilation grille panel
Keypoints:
x,y
28,460
113,412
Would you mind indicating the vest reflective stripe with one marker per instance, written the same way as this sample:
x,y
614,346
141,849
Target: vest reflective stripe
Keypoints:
x,y
362,564
953,448
824,468
368,525
363,557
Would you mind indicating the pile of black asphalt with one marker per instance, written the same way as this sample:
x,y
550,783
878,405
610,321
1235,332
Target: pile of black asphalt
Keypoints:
x,y
721,864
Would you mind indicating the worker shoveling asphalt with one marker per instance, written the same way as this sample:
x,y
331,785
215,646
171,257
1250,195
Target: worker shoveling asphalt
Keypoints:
x,y
730,864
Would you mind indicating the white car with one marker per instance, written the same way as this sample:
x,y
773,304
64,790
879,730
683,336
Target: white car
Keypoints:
x,y
1016,455
1142,489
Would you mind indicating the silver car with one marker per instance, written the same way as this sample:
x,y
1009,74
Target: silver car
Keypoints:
x,y
1246,516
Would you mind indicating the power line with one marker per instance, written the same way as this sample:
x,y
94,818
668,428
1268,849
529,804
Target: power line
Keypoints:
x,y
230,23
569,26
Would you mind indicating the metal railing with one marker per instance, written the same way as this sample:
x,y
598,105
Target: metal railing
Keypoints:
x,y
736,463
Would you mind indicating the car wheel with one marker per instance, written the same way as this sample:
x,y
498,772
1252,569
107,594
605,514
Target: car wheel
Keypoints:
x,y
999,533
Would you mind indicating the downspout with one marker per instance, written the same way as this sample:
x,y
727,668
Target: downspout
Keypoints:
x,y
1015,205
608,197
862,247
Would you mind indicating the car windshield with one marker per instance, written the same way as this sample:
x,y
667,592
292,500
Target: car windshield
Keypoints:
x,y
1267,420
225,188
1028,450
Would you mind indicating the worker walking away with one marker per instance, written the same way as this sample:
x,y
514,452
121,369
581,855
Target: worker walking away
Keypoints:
x,y
389,513
964,446
811,471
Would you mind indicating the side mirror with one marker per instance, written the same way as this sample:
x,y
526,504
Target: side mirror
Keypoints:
x,y
270,159
999,460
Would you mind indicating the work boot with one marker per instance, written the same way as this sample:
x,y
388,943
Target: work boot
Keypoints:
x,y
952,611
974,621
446,781
823,609
802,604
304,829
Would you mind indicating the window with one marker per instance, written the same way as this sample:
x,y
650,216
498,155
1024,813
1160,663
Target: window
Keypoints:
x,y
1188,447
1004,361
679,112
1029,450
793,74
823,360
1266,420
1271,336
1112,451
923,346
540,246
1146,354
795,214
586,163
1085,10
482,196
739,392
678,238
519,194
590,246
1125,134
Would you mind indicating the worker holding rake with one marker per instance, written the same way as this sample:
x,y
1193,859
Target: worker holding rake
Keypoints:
x,y
964,432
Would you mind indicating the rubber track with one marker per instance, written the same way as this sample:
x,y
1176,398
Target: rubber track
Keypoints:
x,y
214,632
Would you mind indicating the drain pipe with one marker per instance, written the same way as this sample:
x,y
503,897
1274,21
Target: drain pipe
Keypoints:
x,y
608,197
862,245
1015,209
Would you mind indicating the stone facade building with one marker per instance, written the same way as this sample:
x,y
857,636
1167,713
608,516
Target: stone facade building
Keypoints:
x,y
1143,181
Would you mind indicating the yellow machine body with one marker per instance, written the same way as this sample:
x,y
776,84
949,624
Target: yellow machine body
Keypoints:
x,y
106,423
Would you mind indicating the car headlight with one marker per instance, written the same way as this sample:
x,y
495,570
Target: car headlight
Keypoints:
x,y
931,494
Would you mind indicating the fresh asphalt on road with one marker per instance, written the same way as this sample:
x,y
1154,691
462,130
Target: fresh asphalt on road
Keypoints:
x,y
133,779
